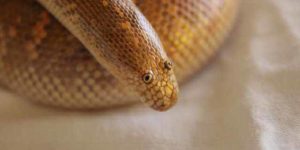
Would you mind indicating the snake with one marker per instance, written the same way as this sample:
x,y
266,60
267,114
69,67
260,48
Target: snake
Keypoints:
x,y
95,54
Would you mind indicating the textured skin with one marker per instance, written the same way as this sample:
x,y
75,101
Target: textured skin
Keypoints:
x,y
99,53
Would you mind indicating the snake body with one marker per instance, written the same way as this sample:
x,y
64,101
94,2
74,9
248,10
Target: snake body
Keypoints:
x,y
104,53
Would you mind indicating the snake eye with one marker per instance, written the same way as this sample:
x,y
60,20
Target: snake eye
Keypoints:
x,y
168,65
148,77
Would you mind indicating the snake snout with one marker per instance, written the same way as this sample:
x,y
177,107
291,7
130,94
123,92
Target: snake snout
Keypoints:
x,y
162,95
166,103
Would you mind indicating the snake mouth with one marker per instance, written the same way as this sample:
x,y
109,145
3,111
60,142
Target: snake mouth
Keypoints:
x,y
167,102
164,105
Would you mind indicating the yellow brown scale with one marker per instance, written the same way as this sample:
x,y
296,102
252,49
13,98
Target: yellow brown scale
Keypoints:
x,y
105,53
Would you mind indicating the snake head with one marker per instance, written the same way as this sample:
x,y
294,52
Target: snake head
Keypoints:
x,y
161,87
157,85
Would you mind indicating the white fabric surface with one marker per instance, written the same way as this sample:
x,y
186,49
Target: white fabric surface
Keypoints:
x,y
248,98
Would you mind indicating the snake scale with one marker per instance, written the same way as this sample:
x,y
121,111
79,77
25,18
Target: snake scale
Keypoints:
x,y
103,53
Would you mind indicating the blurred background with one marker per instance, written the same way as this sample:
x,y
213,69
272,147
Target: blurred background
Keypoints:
x,y
248,98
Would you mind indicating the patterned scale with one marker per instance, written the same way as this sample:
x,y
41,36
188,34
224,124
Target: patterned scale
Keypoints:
x,y
44,62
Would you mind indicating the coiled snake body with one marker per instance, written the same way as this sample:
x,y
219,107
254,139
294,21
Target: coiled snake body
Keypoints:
x,y
102,53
